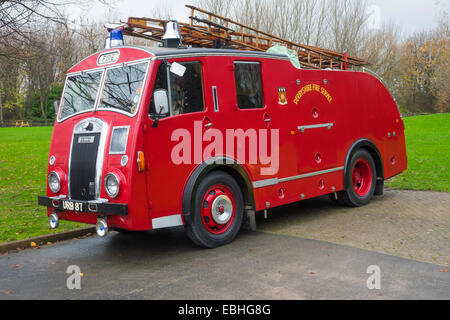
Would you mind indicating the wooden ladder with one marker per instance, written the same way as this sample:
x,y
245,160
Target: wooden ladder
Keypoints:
x,y
209,30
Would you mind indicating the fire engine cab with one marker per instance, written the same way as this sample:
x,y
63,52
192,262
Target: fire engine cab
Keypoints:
x,y
174,135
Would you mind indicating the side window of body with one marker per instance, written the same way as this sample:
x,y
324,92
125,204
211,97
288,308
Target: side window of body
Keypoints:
x,y
248,81
186,92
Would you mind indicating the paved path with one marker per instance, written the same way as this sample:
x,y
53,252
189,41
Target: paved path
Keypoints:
x,y
275,262
409,224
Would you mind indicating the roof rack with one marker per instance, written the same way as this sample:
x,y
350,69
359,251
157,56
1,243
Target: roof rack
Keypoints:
x,y
209,30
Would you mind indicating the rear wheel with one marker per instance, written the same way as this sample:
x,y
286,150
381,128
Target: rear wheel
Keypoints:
x,y
219,208
360,180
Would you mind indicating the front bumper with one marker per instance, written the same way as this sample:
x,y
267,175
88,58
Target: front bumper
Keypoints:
x,y
98,207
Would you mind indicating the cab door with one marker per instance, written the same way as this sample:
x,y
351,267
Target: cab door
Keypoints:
x,y
251,114
169,165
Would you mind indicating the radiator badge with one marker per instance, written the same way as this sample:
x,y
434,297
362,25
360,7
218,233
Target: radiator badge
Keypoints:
x,y
86,139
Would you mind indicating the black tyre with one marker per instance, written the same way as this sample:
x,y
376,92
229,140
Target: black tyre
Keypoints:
x,y
219,210
360,180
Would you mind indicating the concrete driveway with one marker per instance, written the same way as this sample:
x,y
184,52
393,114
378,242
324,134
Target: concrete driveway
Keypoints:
x,y
276,262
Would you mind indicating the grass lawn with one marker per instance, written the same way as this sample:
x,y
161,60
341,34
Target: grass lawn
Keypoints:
x,y
23,171
428,150
24,155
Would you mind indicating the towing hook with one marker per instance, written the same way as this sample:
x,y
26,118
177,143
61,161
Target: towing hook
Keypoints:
x,y
53,220
101,227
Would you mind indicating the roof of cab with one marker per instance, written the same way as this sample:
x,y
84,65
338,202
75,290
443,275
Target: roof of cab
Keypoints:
x,y
162,52
172,53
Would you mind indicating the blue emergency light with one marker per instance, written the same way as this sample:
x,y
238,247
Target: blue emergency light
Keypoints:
x,y
115,39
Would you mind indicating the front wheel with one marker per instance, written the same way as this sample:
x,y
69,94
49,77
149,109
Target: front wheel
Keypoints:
x,y
219,208
360,180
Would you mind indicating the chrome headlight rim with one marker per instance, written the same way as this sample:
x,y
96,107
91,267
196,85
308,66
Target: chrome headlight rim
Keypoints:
x,y
114,176
58,178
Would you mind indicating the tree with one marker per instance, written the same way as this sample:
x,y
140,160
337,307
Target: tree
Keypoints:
x,y
424,76
440,80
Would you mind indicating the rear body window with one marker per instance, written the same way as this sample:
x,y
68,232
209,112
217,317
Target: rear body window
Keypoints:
x,y
248,85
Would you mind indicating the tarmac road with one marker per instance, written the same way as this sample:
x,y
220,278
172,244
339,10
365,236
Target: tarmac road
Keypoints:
x,y
265,264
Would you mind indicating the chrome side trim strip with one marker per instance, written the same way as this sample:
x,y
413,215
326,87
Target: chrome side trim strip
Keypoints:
x,y
311,174
275,181
265,183
167,222
315,126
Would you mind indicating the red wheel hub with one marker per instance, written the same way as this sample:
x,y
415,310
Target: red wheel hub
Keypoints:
x,y
218,209
362,177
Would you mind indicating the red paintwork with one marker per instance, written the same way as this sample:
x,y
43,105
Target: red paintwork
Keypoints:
x,y
362,177
361,107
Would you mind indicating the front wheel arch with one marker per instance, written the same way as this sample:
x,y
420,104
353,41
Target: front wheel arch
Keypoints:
x,y
207,228
225,164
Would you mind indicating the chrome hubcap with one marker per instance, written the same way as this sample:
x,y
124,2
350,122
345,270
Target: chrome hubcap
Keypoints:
x,y
222,209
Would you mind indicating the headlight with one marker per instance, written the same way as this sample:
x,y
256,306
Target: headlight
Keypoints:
x,y
112,185
54,182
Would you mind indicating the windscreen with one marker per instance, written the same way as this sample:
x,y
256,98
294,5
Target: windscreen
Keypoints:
x,y
123,88
80,93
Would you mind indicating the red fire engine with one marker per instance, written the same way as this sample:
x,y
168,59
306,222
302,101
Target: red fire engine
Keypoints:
x,y
174,135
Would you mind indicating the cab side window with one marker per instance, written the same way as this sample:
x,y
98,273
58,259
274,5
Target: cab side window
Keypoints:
x,y
248,85
186,92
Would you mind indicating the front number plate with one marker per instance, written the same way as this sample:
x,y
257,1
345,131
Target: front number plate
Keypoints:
x,y
72,206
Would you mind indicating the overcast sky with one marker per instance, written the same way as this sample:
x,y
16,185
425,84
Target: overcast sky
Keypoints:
x,y
409,15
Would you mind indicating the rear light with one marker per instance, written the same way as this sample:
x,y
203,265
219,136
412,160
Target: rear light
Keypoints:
x,y
140,161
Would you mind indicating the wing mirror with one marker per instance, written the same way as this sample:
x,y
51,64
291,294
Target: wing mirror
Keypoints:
x,y
161,101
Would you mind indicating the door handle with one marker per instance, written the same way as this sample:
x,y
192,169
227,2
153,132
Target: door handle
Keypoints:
x,y
207,123
267,120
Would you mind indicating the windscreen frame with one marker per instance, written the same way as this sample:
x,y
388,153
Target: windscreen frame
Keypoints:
x,y
144,82
74,74
101,85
